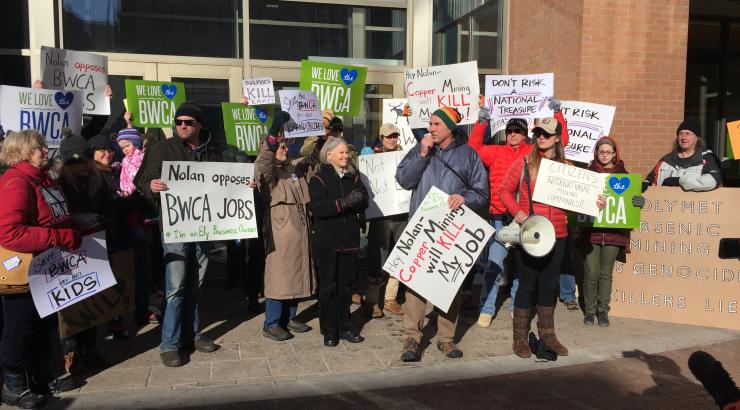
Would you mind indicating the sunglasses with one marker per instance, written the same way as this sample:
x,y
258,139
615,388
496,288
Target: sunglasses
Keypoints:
x,y
547,136
515,131
188,123
391,137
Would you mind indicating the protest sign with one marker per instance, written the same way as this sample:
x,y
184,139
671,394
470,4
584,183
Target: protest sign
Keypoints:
x,y
674,272
619,211
46,111
568,187
259,91
520,96
59,278
587,123
305,115
245,126
733,134
337,87
453,85
77,70
378,173
207,201
100,308
438,248
393,114
153,103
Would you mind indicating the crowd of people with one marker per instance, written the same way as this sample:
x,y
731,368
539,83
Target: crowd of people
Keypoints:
x,y
310,209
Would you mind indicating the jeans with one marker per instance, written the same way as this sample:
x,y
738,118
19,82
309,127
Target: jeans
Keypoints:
x,y
493,276
567,287
279,312
185,268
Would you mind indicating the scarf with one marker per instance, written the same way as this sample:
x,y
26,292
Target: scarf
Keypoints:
x,y
129,168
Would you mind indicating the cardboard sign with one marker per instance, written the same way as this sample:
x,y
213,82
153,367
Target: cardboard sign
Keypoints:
x,y
207,201
673,272
77,70
46,111
378,173
337,87
453,85
733,133
568,187
106,305
587,123
59,278
153,103
305,114
438,248
259,91
245,126
520,96
619,211
393,113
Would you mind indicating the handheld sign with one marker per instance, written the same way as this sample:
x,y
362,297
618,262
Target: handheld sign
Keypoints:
x,y
59,278
46,111
378,173
619,211
305,115
393,114
259,91
207,201
337,87
77,70
438,248
587,123
568,187
245,126
453,85
520,96
153,103
733,134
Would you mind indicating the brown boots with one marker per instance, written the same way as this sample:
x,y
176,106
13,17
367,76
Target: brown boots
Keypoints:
x,y
521,324
546,329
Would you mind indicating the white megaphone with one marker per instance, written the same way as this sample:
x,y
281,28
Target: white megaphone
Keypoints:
x,y
536,235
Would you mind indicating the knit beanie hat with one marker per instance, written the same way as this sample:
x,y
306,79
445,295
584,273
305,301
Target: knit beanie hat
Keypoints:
x,y
191,110
99,142
518,122
74,148
450,116
131,135
690,124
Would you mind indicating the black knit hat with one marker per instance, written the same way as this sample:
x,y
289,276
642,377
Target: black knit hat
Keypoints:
x,y
99,142
518,122
74,148
690,124
191,110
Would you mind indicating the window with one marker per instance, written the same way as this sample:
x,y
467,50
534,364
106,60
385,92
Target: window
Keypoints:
x,y
15,67
208,94
465,32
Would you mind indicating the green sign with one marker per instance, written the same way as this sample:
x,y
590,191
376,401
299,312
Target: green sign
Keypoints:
x,y
619,211
245,126
338,87
153,103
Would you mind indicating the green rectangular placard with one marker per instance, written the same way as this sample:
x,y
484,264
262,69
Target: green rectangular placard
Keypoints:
x,y
619,211
245,125
153,103
338,87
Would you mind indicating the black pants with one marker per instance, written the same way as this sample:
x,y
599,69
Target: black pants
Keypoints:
x,y
538,277
337,273
27,339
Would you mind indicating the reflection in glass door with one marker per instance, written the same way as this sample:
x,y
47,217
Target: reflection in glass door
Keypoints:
x,y
208,94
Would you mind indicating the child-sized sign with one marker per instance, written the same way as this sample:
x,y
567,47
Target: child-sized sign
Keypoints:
x,y
619,211
568,187
378,173
207,201
520,96
77,70
59,278
393,113
46,111
453,85
305,114
153,103
338,87
259,91
587,123
245,126
438,248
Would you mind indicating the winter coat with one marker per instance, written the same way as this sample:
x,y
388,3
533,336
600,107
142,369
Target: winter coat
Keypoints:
x,y
333,227
700,172
605,236
288,268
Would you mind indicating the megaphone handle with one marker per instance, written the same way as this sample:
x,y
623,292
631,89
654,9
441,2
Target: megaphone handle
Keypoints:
x,y
529,187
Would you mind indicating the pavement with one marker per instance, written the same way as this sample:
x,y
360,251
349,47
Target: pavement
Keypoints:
x,y
632,363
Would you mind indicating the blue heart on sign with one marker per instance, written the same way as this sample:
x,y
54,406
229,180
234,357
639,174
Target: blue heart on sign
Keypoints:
x,y
619,185
169,91
348,76
64,100
261,114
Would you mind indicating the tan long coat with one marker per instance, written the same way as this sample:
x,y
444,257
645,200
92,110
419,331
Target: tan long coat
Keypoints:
x,y
288,269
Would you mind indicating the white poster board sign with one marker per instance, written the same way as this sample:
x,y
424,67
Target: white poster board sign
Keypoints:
x,y
259,91
453,85
207,201
393,113
59,278
77,70
587,123
568,187
305,114
519,96
46,111
438,248
378,173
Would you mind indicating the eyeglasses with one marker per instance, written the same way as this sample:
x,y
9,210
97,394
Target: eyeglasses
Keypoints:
x,y
283,146
40,148
188,123
514,131
605,152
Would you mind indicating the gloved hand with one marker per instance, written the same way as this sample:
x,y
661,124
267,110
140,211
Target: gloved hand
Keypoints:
x,y
484,115
67,238
281,117
554,103
645,186
638,201
272,143
670,181
351,200
406,110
